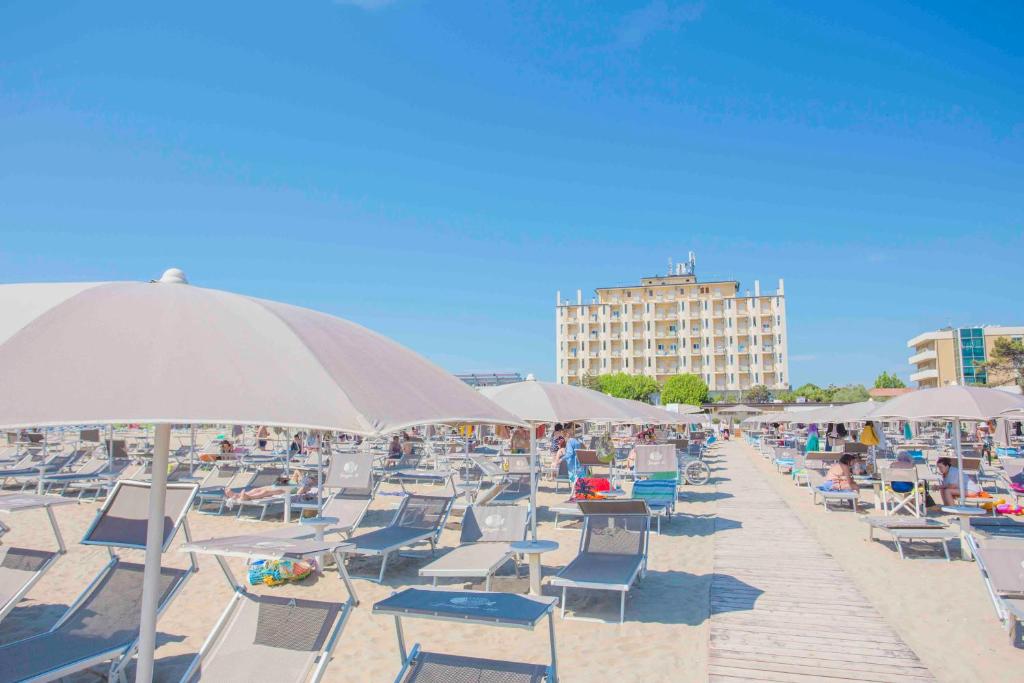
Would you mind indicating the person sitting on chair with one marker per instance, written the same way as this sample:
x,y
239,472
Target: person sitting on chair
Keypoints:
x,y
949,489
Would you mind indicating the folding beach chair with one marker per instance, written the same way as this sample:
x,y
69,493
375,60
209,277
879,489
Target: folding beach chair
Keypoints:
x,y
418,519
1011,478
21,568
912,500
469,607
484,544
264,637
613,549
102,625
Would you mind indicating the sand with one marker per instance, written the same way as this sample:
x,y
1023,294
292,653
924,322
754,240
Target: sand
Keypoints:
x,y
664,637
940,609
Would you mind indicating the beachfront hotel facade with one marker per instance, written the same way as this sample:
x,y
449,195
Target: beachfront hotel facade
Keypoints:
x,y
674,324
953,355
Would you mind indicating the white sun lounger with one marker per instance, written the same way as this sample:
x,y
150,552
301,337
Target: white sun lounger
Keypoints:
x,y
101,627
21,568
1000,562
507,610
484,543
613,549
264,637
419,519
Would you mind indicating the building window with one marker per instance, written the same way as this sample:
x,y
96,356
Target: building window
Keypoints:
x,y
648,362
972,353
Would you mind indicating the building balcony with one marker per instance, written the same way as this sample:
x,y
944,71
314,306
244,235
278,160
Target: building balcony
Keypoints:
x,y
923,357
924,375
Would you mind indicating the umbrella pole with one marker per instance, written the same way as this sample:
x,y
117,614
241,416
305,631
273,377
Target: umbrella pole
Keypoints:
x,y
192,454
154,549
533,482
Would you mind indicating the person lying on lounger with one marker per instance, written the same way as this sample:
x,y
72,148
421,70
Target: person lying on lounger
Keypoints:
x,y
304,487
840,476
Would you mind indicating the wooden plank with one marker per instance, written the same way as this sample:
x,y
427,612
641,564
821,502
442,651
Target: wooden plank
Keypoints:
x,y
819,644
849,662
843,671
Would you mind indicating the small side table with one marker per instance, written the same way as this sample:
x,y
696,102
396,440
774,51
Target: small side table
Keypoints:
x,y
319,524
533,550
960,512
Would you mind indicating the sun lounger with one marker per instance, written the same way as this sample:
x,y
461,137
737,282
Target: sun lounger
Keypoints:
x,y
418,519
652,460
907,529
351,477
246,481
484,543
613,549
815,478
1000,562
98,476
21,568
476,608
101,627
264,637
997,527
29,476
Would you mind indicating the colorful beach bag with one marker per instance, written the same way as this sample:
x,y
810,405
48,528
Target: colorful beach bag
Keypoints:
x,y
278,572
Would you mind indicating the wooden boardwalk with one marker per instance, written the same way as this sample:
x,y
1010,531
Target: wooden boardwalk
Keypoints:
x,y
770,620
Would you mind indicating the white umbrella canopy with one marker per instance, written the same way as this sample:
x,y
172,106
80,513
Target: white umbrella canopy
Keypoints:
x,y
739,410
166,352
547,402
949,403
115,352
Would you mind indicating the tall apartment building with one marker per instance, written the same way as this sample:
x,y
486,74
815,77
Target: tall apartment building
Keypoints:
x,y
952,355
673,324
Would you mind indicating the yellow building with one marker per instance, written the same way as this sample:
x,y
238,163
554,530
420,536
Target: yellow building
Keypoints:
x,y
952,355
673,324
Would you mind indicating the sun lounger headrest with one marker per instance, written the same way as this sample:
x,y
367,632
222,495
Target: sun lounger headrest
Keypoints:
x,y
498,609
656,458
121,523
423,512
352,471
616,507
494,523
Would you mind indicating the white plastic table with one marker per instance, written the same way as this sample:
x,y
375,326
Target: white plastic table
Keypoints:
x,y
318,524
533,550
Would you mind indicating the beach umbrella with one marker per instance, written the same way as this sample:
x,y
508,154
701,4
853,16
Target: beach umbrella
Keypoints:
x,y
954,404
166,352
547,402
739,410
645,413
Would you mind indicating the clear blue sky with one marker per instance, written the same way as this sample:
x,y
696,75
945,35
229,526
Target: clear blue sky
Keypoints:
x,y
436,170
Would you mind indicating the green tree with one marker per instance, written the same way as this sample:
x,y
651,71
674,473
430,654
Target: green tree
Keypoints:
x,y
758,394
812,392
785,396
589,380
622,385
887,381
1006,359
686,388
852,393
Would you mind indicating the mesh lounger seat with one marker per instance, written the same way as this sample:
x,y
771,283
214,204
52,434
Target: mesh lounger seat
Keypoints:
x,y
999,560
102,625
267,637
613,549
21,568
469,607
418,519
484,544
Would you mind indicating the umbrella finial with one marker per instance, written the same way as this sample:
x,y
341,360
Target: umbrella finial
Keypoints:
x,y
173,276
